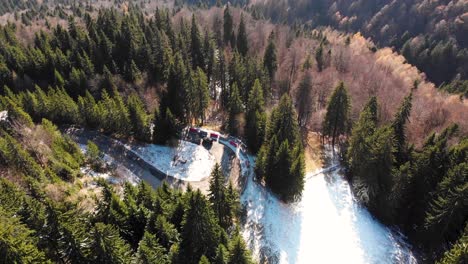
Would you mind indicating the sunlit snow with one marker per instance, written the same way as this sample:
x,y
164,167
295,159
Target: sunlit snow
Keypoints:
x,y
326,226
188,161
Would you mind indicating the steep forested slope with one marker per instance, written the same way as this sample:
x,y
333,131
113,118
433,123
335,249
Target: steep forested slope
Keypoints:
x,y
125,70
430,34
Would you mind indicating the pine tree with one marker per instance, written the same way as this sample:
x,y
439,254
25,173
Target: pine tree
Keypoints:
x,y
398,126
200,233
58,79
138,118
228,26
165,126
269,58
222,255
89,110
107,81
370,159
204,260
108,247
235,108
77,83
256,118
199,96
17,242
219,198
176,96
209,54
196,47
162,57
94,156
165,232
242,42
239,253
362,130
132,73
336,120
281,158
117,119
458,253
150,251
428,168
447,210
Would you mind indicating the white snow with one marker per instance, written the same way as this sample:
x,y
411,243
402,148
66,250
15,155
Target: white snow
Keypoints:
x,y
326,226
3,115
187,162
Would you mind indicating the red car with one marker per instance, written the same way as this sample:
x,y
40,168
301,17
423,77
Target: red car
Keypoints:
x,y
234,144
214,136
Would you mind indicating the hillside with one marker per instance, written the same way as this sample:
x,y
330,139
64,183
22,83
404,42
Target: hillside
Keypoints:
x,y
145,71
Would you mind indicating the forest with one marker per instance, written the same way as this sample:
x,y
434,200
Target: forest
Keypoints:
x,y
142,70
430,34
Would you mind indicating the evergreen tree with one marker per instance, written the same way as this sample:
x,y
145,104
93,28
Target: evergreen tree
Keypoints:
x,y
447,211
336,121
176,96
108,80
281,158
239,253
94,156
242,42
269,58
162,57
196,47
116,118
132,73
165,126
371,159
165,231
204,260
222,255
138,118
398,126
219,198
150,251
200,233
228,25
89,110
58,79
235,108
359,145
77,83
199,96
107,246
17,242
458,253
429,166
256,118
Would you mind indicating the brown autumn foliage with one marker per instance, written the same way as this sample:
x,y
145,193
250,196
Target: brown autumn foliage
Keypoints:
x,y
383,73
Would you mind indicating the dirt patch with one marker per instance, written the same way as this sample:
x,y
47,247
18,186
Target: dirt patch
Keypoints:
x,y
313,152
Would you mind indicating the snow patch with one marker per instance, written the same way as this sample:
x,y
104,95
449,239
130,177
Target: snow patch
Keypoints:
x,y
187,162
327,226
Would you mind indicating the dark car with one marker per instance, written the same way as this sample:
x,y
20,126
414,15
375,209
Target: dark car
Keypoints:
x,y
203,134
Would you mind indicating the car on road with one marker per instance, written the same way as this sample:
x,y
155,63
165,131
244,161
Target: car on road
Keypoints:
x,y
203,134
